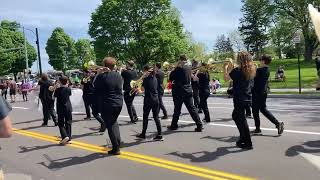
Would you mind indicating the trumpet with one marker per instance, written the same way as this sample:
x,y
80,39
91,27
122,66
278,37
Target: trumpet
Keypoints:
x,y
136,85
54,87
92,67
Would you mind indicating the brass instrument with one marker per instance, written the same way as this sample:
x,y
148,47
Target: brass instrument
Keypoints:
x,y
92,67
86,80
212,65
136,85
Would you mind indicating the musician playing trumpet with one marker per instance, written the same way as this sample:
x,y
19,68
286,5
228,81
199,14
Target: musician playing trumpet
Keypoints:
x,y
129,74
46,96
90,99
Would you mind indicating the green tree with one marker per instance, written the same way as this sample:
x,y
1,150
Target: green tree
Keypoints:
x,y
61,51
281,34
296,11
197,51
85,52
253,25
143,30
12,59
223,44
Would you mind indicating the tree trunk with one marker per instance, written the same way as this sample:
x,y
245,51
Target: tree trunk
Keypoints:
x,y
308,50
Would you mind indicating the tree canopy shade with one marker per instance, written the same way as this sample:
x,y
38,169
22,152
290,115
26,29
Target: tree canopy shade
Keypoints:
x,y
61,51
143,30
13,60
297,12
253,25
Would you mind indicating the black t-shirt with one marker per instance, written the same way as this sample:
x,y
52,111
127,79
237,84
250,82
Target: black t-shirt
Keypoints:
x,y
108,89
318,63
128,75
44,90
150,85
160,78
63,99
181,78
261,81
88,87
241,86
204,80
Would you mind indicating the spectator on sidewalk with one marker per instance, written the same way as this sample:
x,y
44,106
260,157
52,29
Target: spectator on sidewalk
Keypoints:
x,y
25,88
215,85
318,72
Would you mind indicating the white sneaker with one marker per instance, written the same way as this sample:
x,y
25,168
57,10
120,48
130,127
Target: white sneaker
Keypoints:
x,y
64,141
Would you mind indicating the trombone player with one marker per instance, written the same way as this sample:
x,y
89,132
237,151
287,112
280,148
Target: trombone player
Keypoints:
x,y
182,93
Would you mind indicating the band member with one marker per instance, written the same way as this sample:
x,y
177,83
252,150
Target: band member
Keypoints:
x,y
151,102
89,99
182,93
13,90
160,78
195,86
259,96
242,77
128,75
108,86
64,110
204,91
47,100
4,89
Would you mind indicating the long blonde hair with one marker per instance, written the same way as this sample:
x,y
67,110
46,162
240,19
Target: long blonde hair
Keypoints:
x,y
246,65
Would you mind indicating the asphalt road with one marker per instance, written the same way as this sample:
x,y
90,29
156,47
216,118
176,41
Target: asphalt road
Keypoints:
x,y
33,153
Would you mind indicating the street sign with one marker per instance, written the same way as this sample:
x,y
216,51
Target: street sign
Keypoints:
x,y
297,37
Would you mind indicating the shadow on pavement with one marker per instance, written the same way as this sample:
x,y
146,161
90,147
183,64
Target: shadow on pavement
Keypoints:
x,y
228,139
307,147
25,149
206,156
70,161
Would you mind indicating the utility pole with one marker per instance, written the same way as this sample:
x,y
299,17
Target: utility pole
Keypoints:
x,y
26,54
39,56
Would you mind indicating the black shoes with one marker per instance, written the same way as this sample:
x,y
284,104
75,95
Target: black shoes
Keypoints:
x,y
249,116
200,111
158,138
164,117
87,118
55,123
256,131
280,128
141,136
44,124
102,128
198,129
241,144
172,128
114,152
206,121
134,121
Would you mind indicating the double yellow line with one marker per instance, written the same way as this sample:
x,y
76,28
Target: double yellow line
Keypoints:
x,y
175,166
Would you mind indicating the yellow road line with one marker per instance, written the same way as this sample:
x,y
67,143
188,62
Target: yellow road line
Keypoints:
x,y
180,167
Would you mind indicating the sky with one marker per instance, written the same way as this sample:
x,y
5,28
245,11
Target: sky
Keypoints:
x,y
205,19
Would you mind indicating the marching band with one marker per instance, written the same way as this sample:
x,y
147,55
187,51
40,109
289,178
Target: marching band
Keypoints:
x,y
105,89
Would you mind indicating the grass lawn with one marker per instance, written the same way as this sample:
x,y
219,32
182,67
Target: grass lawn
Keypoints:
x,y
308,74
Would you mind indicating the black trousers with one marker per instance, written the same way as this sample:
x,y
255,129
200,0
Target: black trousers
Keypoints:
x,y
161,105
4,93
25,96
239,118
64,123
90,101
130,107
48,110
259,105
195,94
187,100
110,116
147,107
204,104
248,110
